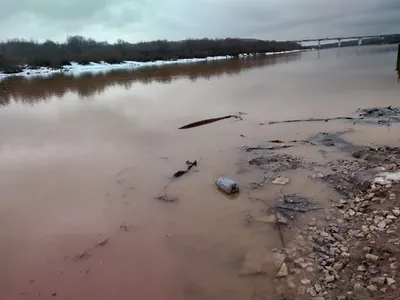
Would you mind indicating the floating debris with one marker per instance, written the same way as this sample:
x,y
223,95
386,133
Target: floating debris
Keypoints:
x,y
296,203
227,185
103,242
208,121
189,166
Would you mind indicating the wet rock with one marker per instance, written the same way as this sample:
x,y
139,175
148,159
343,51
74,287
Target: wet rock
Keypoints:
x,y
283,271
358,287
341,297
396,212
310,269
367,249
304,265
378,280
338,266
318,288
329,278
318,298
372,288
279,259
382,225
305,281
312,292
281,181
390,281
371,257
361,268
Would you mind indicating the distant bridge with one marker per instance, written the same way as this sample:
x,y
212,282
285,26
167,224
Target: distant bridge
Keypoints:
x,y
341,38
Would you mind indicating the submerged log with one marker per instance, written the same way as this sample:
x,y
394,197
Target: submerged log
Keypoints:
x,y
208,121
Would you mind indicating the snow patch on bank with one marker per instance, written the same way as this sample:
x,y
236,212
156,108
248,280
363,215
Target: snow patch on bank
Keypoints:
x,y
386,178
75,69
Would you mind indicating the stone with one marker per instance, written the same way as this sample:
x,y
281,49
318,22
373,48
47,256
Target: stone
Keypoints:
x,y
358,287
283,271
382,224
318,288
305,281
365,228
371,257
390,281
341,297
281,181
279,259
310,269
299,261
338,266
312,292
378,280
361,268
396,212
304,265
342,201
329,278
318,298
367,249
351,212
372,288
391,217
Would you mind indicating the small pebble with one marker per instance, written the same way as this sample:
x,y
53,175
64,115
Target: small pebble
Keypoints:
x,y
318,288
390,281
371,257
372,288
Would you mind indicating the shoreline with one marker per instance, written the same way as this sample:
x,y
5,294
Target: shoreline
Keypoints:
x,y
75,69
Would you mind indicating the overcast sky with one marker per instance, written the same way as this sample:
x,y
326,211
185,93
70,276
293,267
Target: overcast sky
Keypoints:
x,y
142,20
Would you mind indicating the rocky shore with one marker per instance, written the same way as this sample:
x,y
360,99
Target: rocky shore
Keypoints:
x,y
353,251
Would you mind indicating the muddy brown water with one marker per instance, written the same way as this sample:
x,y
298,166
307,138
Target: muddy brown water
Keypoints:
x,y
81,156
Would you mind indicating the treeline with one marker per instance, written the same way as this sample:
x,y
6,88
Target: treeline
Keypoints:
x,y
86,85
14,54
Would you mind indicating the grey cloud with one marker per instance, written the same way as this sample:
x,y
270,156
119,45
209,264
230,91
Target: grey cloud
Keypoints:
x,y
136,20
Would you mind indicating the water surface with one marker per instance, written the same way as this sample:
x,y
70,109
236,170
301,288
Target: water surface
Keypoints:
x,y
81,156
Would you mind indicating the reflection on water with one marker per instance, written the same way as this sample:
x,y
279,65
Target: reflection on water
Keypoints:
x,y
87,85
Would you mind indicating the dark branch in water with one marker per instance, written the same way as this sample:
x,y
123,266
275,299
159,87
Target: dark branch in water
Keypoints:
x,y
208,121
315,120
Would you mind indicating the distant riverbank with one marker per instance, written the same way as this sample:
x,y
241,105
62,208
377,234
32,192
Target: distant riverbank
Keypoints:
x,y
16,55
75,69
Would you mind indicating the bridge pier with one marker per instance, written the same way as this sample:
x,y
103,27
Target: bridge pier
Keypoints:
x,y
359,41
339,42
319,44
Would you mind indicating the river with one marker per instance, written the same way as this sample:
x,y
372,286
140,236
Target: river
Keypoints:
x,y
83,158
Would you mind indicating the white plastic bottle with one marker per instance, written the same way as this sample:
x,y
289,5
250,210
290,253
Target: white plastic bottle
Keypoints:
x,y
227,185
